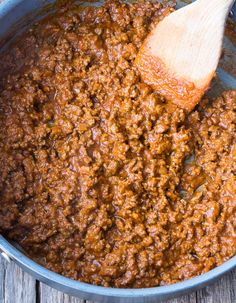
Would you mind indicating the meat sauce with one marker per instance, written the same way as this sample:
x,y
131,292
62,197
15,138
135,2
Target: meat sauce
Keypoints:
x,y
101,180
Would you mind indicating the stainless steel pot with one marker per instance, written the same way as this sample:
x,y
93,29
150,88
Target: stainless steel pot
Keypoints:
x,y
11,12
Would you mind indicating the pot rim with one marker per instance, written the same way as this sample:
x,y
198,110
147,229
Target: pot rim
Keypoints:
x,y
179,287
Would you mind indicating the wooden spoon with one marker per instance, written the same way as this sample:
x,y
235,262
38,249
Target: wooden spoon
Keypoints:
x,y
180,55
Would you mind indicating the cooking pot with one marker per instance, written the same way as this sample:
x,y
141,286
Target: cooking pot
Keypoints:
x,y
11,14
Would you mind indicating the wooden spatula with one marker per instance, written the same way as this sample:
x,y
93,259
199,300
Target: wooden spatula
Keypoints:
x,y
180,55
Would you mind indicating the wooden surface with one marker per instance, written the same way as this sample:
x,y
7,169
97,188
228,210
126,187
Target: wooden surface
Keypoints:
x,y
18,287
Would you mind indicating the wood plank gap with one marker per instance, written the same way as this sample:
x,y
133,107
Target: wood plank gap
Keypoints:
x,y
37,291
195,296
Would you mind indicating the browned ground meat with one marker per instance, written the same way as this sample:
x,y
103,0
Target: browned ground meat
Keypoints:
x,y
100,179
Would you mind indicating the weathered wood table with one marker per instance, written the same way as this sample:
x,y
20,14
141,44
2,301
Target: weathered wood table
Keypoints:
x,y
19,287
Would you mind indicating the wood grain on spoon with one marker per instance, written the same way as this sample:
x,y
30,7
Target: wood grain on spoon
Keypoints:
x,y
180,56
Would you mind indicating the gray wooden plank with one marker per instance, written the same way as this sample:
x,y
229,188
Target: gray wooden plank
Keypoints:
x,y
50,295
191,298
232,276
69,299
2,278
223,291
19,286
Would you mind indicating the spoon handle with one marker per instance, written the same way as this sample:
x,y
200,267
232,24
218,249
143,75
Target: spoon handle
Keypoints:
x,y
224,5
216,10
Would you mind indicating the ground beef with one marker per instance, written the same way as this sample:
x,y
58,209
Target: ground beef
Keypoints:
x,y
102,180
